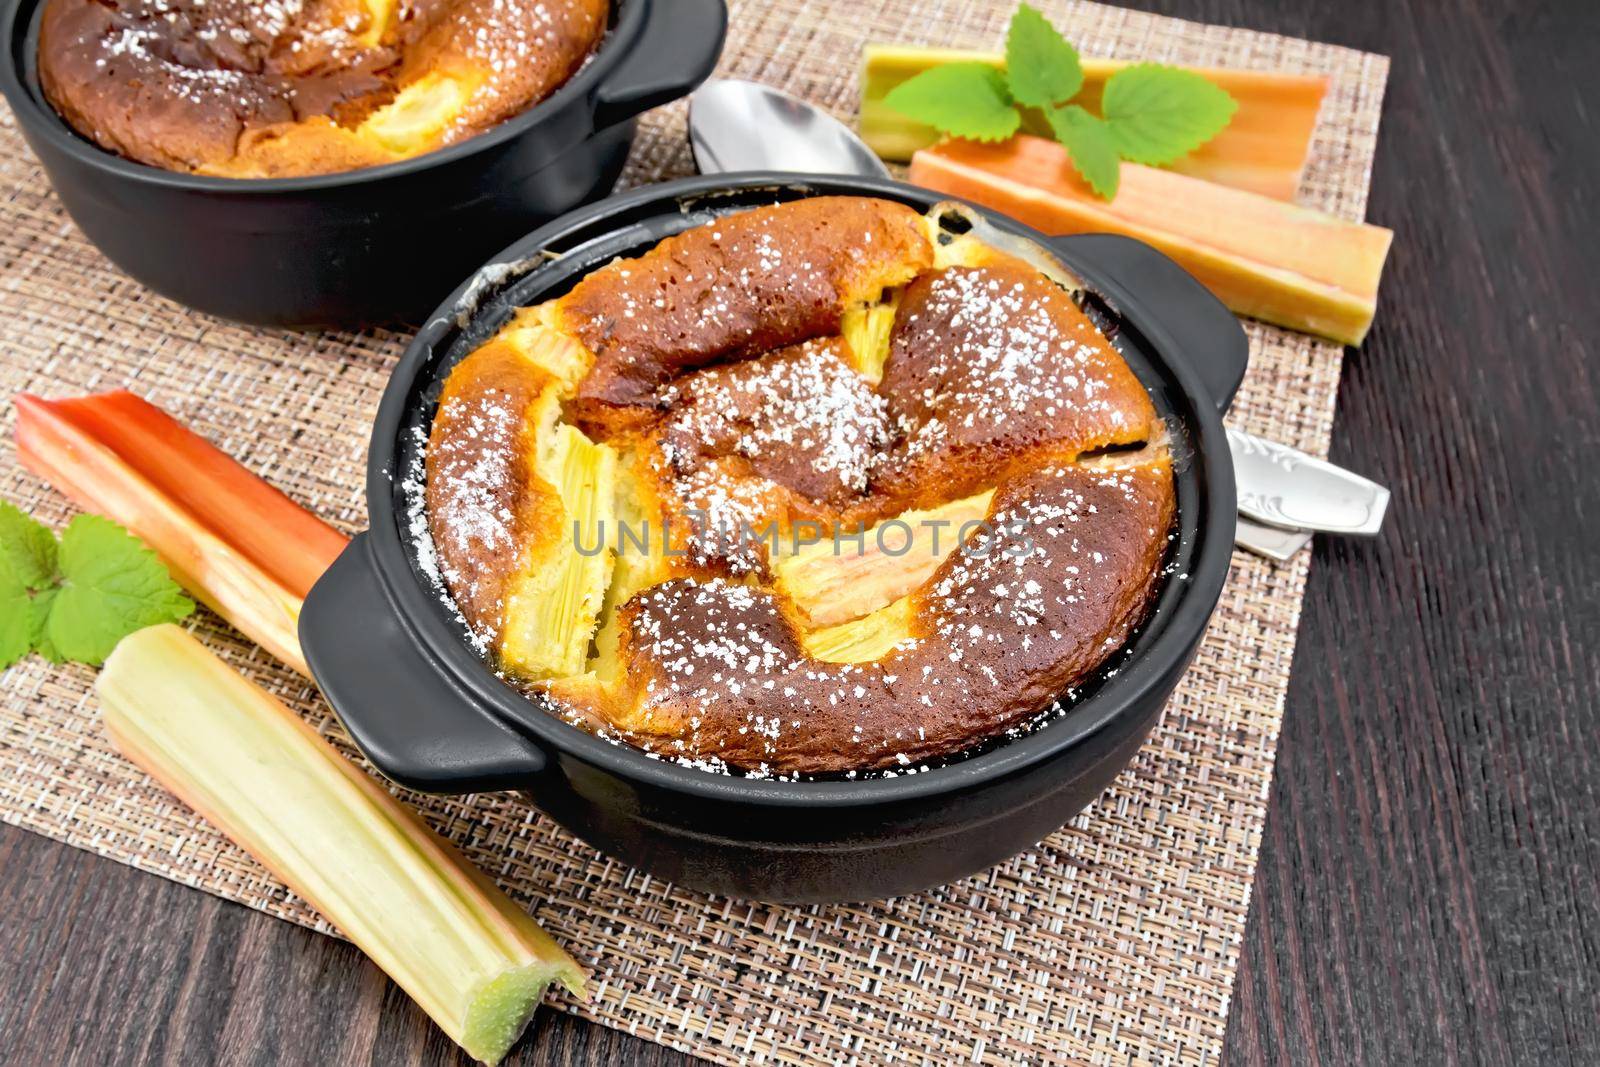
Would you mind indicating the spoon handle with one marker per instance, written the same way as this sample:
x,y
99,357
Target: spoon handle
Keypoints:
x,y
1269,541
1286,488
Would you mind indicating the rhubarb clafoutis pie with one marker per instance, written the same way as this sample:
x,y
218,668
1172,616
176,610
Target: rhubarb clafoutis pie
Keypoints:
x,y
284,88
813,489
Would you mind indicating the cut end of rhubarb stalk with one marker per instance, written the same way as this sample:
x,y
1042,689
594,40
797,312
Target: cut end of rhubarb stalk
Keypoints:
x,y
464,951
501,1010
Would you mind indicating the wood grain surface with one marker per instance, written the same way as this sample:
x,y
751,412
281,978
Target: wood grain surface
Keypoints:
x,y
1429,887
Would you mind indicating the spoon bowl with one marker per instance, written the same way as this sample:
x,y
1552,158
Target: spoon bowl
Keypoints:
x,y
739,125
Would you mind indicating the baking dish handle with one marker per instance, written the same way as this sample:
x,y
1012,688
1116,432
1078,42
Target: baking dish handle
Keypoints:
x,y
678,48
402,708
1197,325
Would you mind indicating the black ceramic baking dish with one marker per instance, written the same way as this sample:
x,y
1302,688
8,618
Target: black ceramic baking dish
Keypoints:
x,y
372,246
392,658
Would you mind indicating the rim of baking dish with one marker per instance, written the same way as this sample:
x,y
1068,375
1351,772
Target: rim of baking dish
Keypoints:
x,y
1172,637
19,82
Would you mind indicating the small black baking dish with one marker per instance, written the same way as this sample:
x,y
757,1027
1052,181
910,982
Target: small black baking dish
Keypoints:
x,y
392,657
373,246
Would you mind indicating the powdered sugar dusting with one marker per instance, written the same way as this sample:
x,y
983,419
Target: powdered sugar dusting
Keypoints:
x,y
800,420
413,491
984,362
985,355
726,674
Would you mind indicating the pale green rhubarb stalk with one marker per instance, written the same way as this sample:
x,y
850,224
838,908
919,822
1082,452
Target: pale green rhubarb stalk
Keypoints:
x,y
470,957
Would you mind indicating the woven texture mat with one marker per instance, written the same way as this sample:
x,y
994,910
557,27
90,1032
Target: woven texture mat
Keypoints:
x,y
1114,941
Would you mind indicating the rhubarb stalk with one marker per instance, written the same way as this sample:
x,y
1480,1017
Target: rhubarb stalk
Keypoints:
x,y
471,958
1279,262
1264,148
236,543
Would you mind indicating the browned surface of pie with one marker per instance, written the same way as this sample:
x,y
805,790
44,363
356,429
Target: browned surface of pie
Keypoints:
x,y
993,364
990,397
751,283
297,87
717,670
484,509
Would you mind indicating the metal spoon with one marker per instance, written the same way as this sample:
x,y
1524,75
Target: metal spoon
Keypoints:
x,y
1283,492
1284,487
740,125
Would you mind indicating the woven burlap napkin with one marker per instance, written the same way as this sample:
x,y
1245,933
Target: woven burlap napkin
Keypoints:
x,y
1113,941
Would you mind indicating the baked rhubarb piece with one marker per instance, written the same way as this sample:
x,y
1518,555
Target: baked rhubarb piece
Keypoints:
x,y
813,489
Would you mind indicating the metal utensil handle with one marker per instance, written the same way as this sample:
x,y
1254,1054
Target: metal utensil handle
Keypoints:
x,y
1284,487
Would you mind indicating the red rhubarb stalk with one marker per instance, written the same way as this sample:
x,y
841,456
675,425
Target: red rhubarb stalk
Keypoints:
x,y
242,547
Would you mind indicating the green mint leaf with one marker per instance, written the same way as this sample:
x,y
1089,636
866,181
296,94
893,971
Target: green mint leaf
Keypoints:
x,y
111,586
1088,142
27,549
1158,114
27,566
961,99
41,615
19,622
1042,68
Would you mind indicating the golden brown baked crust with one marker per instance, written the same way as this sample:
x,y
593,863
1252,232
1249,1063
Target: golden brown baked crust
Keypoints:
x,y
717,672
298,87
988,364
794,435
996,403
486,507
749,283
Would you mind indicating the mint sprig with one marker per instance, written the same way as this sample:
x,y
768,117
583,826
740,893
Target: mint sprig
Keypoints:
x,y
1149,113
74,600
1157,114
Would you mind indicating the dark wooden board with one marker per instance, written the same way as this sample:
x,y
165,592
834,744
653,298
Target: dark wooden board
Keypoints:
x,y
1429,887
103,964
